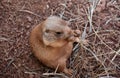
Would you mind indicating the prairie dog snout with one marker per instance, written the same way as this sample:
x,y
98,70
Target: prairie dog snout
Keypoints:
x,y
52,43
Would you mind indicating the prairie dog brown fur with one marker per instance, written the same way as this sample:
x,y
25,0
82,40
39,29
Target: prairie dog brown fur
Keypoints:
x,y
52,43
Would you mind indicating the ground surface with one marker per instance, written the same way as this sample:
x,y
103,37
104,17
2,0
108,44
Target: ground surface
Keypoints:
x,y
99,58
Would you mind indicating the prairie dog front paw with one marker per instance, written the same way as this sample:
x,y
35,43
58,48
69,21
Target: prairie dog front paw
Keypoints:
x,y
77,33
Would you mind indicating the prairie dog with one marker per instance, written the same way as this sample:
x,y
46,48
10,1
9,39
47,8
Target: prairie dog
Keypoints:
x,y
52,43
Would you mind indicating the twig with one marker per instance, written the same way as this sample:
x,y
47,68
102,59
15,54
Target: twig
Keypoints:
x,y
91,11
100,32
56,68
27,11
64,5
11,61
30,72
117,52
3,38
113,63
54,74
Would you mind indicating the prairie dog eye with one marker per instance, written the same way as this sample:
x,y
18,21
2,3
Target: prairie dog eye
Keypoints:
x,y
59,33
47,31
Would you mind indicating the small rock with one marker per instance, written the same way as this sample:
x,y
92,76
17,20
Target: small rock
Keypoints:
x,y
29,18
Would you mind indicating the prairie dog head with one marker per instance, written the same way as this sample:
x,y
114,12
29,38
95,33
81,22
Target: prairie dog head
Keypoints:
x,y
55,31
